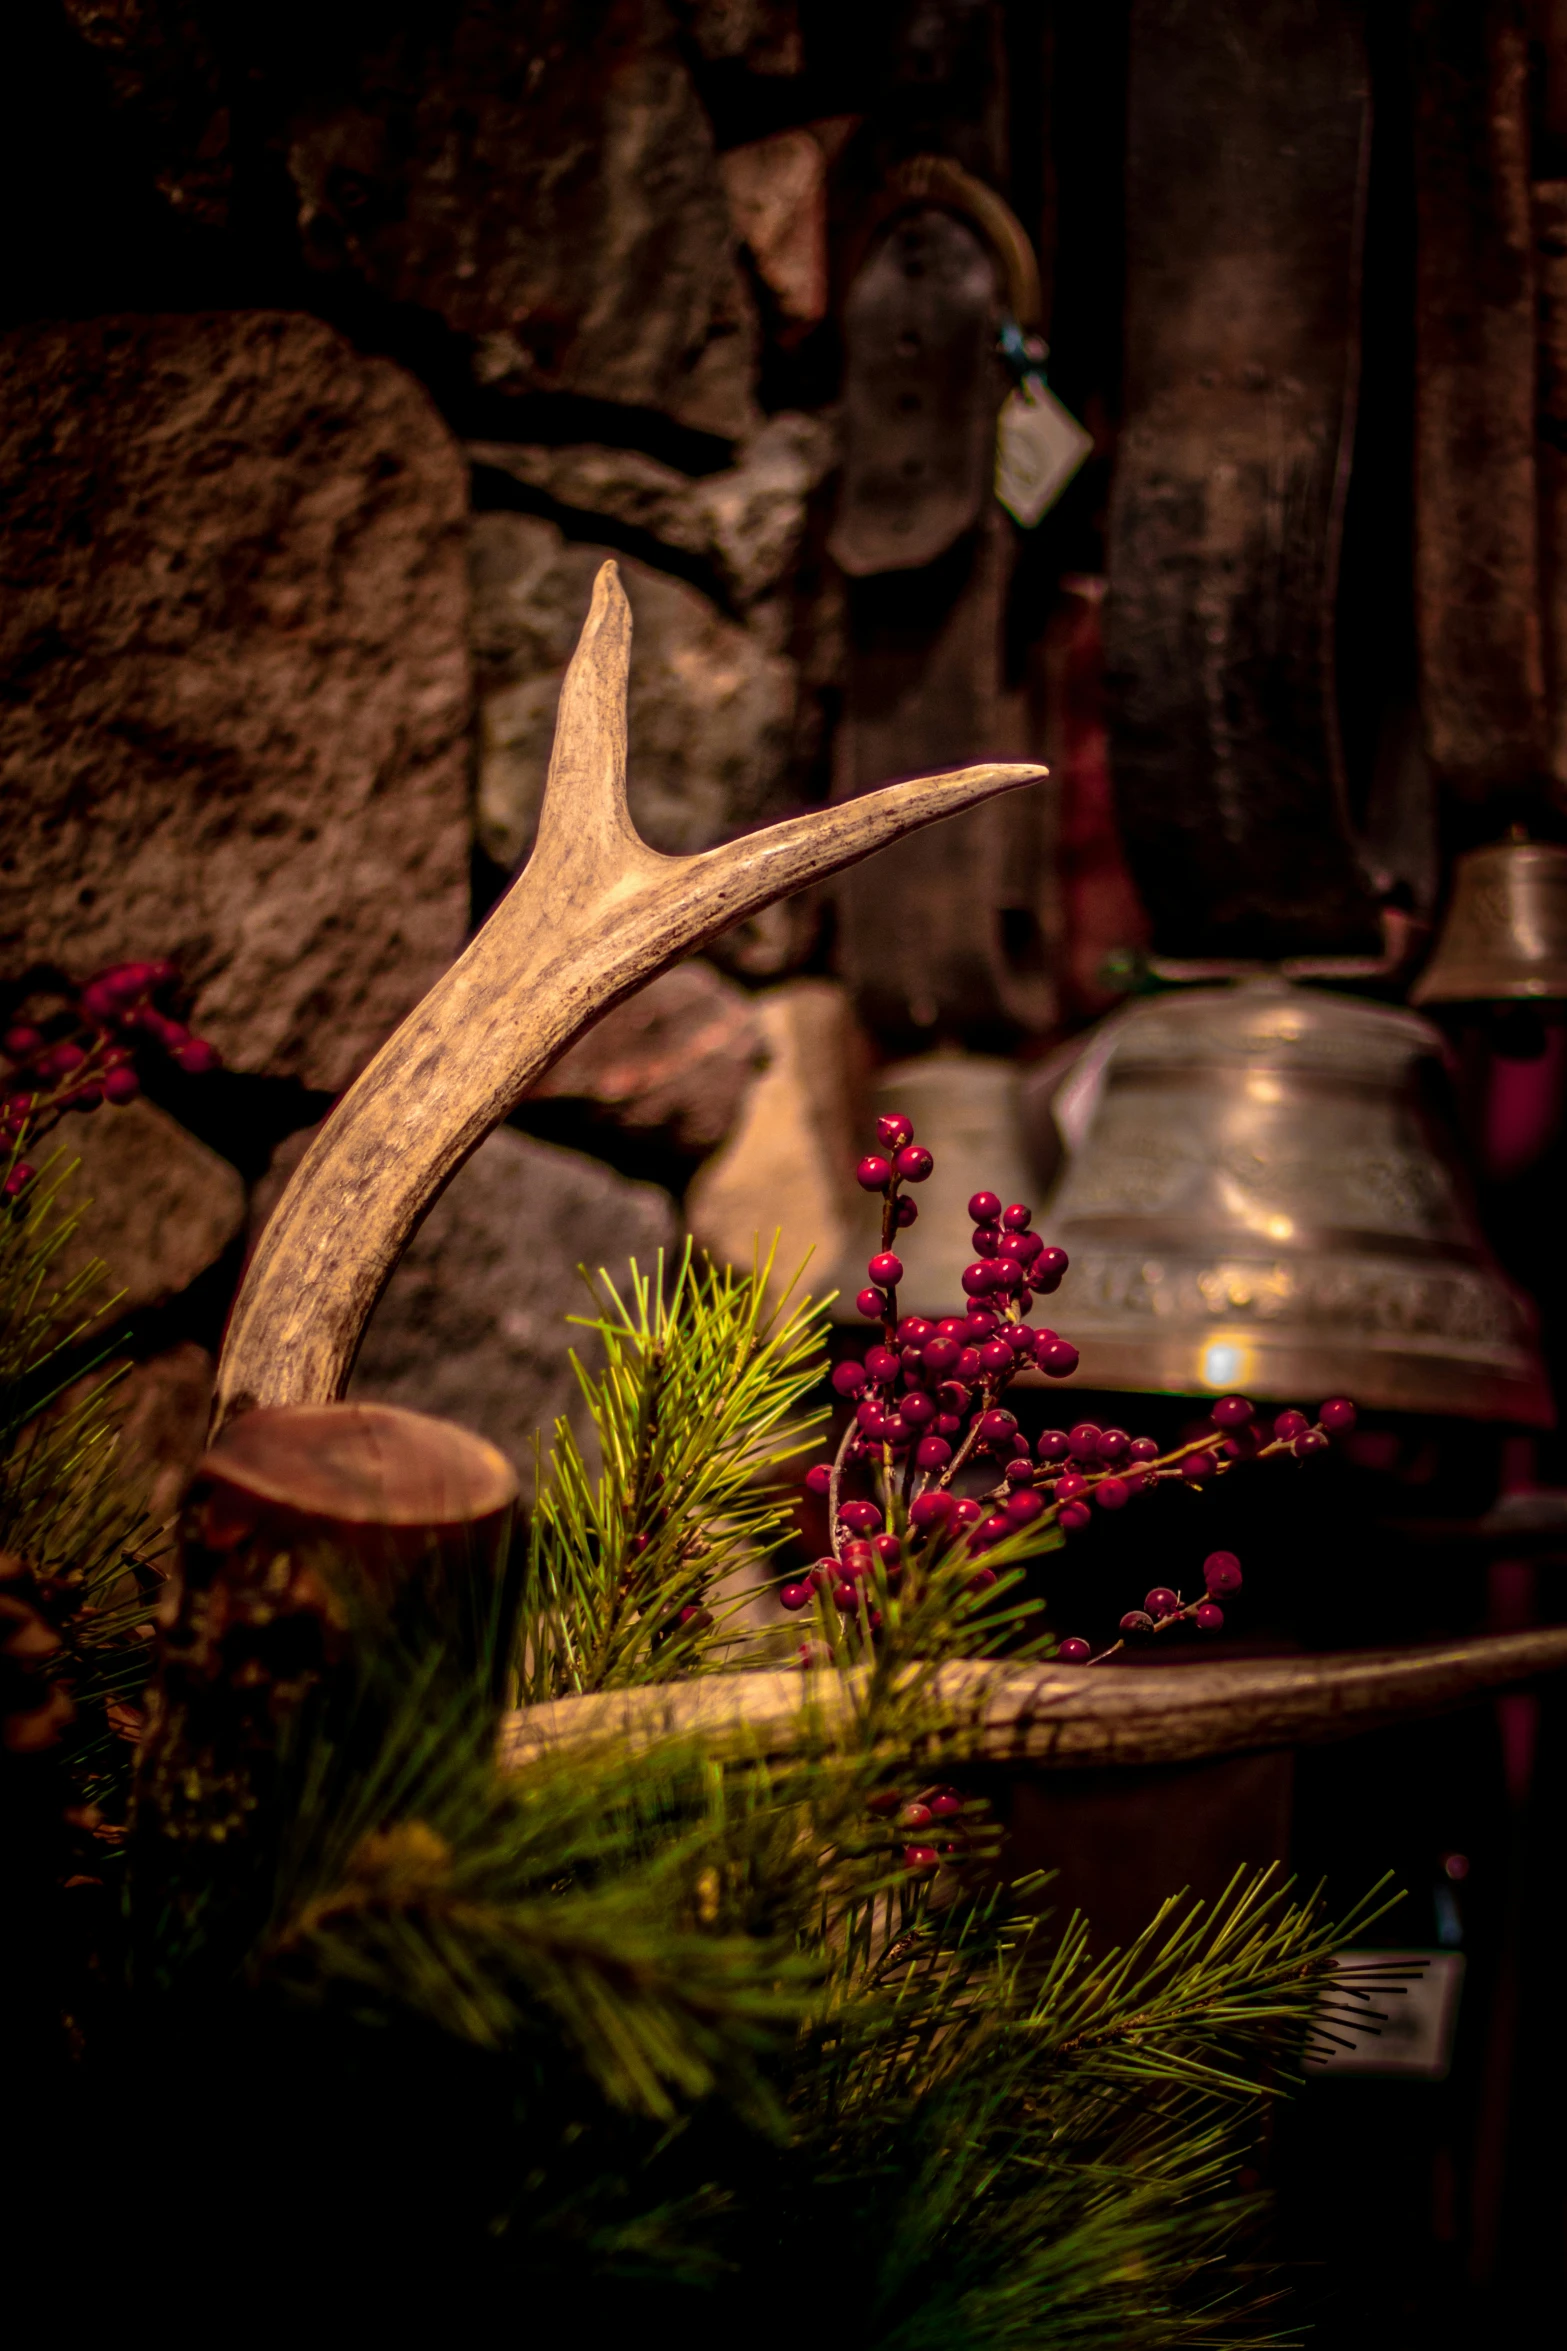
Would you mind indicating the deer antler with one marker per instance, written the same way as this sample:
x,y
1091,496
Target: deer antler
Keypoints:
x,y
1069,1717
595,914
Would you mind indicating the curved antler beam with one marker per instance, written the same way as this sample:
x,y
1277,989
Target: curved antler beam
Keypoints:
x,y
1072,1718
594,915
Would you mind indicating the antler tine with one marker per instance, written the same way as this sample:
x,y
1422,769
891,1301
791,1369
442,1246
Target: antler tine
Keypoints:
x,y
594,915
1069,1718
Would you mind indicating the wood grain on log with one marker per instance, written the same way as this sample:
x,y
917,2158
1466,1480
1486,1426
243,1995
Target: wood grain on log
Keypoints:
x,y
594,914
1072,1717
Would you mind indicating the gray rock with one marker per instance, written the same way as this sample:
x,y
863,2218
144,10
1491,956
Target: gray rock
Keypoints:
x,y
762,35
156,1205
711,711
473,1324
235,588
747,521
540,175
676,1058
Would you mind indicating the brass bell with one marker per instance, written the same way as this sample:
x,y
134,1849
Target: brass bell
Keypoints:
x,y
1257,1199
966,1109
1505,937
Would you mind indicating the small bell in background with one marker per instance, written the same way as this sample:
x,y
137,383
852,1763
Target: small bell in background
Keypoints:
x,y
1505,937
1503,948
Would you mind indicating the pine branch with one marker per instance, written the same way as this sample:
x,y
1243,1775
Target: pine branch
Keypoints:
x,y
639,1571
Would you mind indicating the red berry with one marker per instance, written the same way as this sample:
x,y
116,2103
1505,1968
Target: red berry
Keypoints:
x,y
1017,1218
1135,1622
64,1059
894,1130
122,1085
1221,1572
987,1241
914,1330
984,1207
917,1409
931,1510
1019,1247
887,1549
1048,1267
919,1860
885,1270
795,1596
948,1424
882,1363
696,1620
1113,1445
995,1355
861,1518
1059,1359
21,1041
825,1574
895,1430
1073,1652
915,1816
1291,1424
905,1214
1069,1487
914,1163
1231,1412
1112,1493
871,1304
1142,1449
939,1355
1053,1445
1196,1467
1338,1413
946,1806
1019,1471
874,1172
983,1579
1084,1440
1161,1601
979,1325
870,1416
1207,1617
997,1427
818,1478
843,1598
849,1378
966,1513
976,1278
1312,1442
967,1365
1024,1505
1073,1517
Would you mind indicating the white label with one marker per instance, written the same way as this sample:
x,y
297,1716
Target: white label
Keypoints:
x,y
1408,2019
1039,446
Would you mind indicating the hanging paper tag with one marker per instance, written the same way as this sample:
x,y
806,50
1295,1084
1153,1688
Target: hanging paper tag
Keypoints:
x,y
1039,446
1416,2017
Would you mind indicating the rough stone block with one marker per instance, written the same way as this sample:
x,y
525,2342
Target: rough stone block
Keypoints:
x,y
473,1323
159,1207
234,625
748,520
540,175
676,1058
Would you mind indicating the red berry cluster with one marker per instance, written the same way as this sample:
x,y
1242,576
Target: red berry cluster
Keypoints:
x,y
81,1051
934,1818
927,1407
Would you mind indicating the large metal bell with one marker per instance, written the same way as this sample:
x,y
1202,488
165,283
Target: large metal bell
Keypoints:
x,y
1258,1198
1505,937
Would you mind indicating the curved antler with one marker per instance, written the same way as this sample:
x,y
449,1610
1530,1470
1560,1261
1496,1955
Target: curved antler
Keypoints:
x,y
1070,1717
594,915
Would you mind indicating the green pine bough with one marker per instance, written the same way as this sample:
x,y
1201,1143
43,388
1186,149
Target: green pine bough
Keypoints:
x,y
671,2039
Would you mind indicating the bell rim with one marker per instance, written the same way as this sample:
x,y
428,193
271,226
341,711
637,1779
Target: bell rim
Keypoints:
x,y
1277,1368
